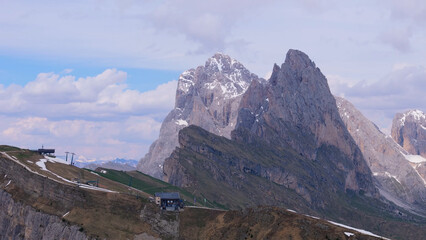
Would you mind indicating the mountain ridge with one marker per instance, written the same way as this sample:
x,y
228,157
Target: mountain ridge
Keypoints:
x,y
296,103
386,159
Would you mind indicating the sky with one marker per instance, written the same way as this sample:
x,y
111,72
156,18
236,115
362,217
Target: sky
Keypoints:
x,y
97,77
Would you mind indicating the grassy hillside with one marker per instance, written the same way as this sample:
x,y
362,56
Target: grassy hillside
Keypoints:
x,y
150,185
98,213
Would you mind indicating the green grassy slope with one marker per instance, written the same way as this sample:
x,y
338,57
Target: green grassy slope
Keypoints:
x,y
152,185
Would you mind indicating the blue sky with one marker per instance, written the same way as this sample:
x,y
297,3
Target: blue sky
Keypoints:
x,y
97,77
19,70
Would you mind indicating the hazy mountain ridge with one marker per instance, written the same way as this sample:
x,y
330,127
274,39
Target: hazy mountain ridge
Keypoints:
x,y
409,131
117,164
397,180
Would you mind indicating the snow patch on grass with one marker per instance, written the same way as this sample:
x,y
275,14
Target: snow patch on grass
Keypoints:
x,y
358,230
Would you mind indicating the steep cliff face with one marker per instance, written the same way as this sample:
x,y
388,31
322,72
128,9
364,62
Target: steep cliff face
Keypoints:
x,y
296,109
409,131
397,180
207,96
236,174
20,221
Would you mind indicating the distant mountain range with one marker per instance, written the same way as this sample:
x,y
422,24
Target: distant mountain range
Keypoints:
x,y
117,164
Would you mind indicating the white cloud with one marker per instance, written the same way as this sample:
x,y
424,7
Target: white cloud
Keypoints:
x,y
67,71
97,117
102,96
207,23
398,38
95,139
340,85
412,10
407,22
402,89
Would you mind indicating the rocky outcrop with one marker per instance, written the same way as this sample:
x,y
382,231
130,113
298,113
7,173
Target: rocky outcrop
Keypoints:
x,y
38,188
207,96
296,109
20,221
409,131
166,223
396,178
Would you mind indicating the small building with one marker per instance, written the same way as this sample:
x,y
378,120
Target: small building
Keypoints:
x,y
45,151
169,201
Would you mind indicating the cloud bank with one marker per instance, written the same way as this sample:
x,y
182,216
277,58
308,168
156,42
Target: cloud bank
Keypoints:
x,y
402,89
98,117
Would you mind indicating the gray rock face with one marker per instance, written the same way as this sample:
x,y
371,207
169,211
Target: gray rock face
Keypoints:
x,y
296,109
207,96
166,223
396,178
409,131
19,221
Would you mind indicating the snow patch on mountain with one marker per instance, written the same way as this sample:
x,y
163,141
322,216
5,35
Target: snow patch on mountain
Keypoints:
x,y
415,158
416,114
387,174
181,122
358,230
186,81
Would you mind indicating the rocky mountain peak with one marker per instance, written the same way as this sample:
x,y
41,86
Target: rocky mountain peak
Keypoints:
x,y
413,115
409,131
298,59
220,63
298,73
296,109
207,96
221,74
